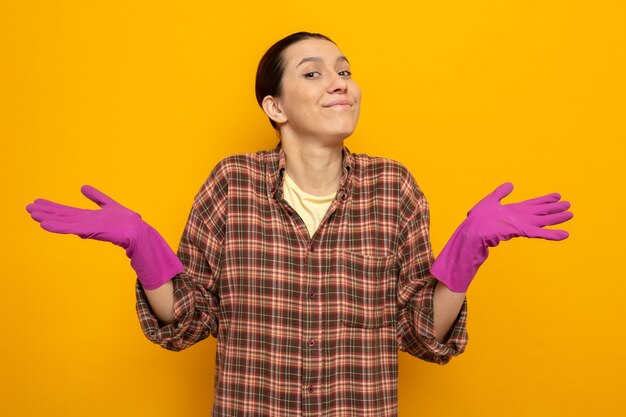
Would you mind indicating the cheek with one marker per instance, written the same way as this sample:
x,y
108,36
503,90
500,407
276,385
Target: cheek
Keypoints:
x,y
299,104
356,92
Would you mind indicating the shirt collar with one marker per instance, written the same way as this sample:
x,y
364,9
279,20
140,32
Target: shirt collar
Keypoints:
x,y
275,165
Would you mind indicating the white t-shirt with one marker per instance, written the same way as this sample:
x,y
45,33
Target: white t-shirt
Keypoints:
x,y
311,208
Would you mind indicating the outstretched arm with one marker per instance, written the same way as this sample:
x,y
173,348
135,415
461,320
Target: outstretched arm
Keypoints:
x,y
151,257
487,224
177,296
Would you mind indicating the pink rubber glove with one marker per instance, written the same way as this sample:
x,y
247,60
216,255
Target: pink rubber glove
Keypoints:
x,y
150,256
487,224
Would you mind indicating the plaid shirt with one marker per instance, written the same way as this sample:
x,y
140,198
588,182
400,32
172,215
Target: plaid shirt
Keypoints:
x,y
306,326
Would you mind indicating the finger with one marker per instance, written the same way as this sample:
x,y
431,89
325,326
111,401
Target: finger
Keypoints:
x,y
552,219
97,196
41,204
42,216
38,216
46,206
60,227
548,198
542,209
32,207
502,191
548,234
498,194
555,207
47,203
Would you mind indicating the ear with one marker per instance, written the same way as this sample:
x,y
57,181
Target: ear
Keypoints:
x,y
271,107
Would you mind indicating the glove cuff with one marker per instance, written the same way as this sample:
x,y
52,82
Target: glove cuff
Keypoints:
x,y
152,259
460,259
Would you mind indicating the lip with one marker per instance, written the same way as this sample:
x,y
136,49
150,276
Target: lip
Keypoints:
x,y
339,103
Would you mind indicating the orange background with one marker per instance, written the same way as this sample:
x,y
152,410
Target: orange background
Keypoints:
x,y
142,98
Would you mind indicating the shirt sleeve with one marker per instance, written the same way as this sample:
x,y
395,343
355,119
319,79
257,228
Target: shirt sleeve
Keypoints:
x,y
196,294
416,288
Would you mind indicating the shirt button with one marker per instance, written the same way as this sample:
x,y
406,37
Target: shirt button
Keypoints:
x,y
311,295
312,342
310,389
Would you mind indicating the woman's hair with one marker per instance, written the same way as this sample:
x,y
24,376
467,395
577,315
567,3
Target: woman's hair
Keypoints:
x,y
270,71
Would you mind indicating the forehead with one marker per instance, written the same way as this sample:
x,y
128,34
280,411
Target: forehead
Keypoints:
x,y
310,48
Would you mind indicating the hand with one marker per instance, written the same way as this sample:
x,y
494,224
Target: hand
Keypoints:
x,y
150,256
111,223
488,223
494,222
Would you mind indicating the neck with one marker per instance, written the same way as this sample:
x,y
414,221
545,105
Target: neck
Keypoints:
x,y
315,168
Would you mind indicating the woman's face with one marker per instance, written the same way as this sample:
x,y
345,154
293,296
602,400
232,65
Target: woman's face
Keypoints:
x,y
319,98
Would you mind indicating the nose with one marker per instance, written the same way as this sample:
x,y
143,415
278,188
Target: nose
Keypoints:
x,y
338,84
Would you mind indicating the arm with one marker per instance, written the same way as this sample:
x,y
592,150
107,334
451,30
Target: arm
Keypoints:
x,y
194,293
488,223
446,308
187,312
149,254
177,305
162,302
431,320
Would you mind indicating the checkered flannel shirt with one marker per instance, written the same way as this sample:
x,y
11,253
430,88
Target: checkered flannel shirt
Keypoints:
x,y
306,326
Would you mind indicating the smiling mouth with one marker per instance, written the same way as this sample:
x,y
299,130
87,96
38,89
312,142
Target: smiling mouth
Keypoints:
x,y
339,105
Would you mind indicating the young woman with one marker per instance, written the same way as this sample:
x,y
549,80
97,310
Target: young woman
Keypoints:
x,y
311,265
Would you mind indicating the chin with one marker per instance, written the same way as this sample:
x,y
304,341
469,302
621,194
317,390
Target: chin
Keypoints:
x,y
346,133
339,136
341,130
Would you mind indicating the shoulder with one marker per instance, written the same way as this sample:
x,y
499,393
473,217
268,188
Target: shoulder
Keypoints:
x,y
387,170
392,179
238,165
231,176
243,162
240,171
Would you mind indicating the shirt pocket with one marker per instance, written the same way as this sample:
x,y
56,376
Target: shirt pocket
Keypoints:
x,y
368,292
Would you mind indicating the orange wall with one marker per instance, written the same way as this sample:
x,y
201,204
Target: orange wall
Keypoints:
x,y
141,99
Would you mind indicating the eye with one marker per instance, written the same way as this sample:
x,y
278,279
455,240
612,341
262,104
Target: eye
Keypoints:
x,y
345,73
312,75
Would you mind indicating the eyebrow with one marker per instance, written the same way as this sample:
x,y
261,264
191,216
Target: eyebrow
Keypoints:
x,y
318,59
